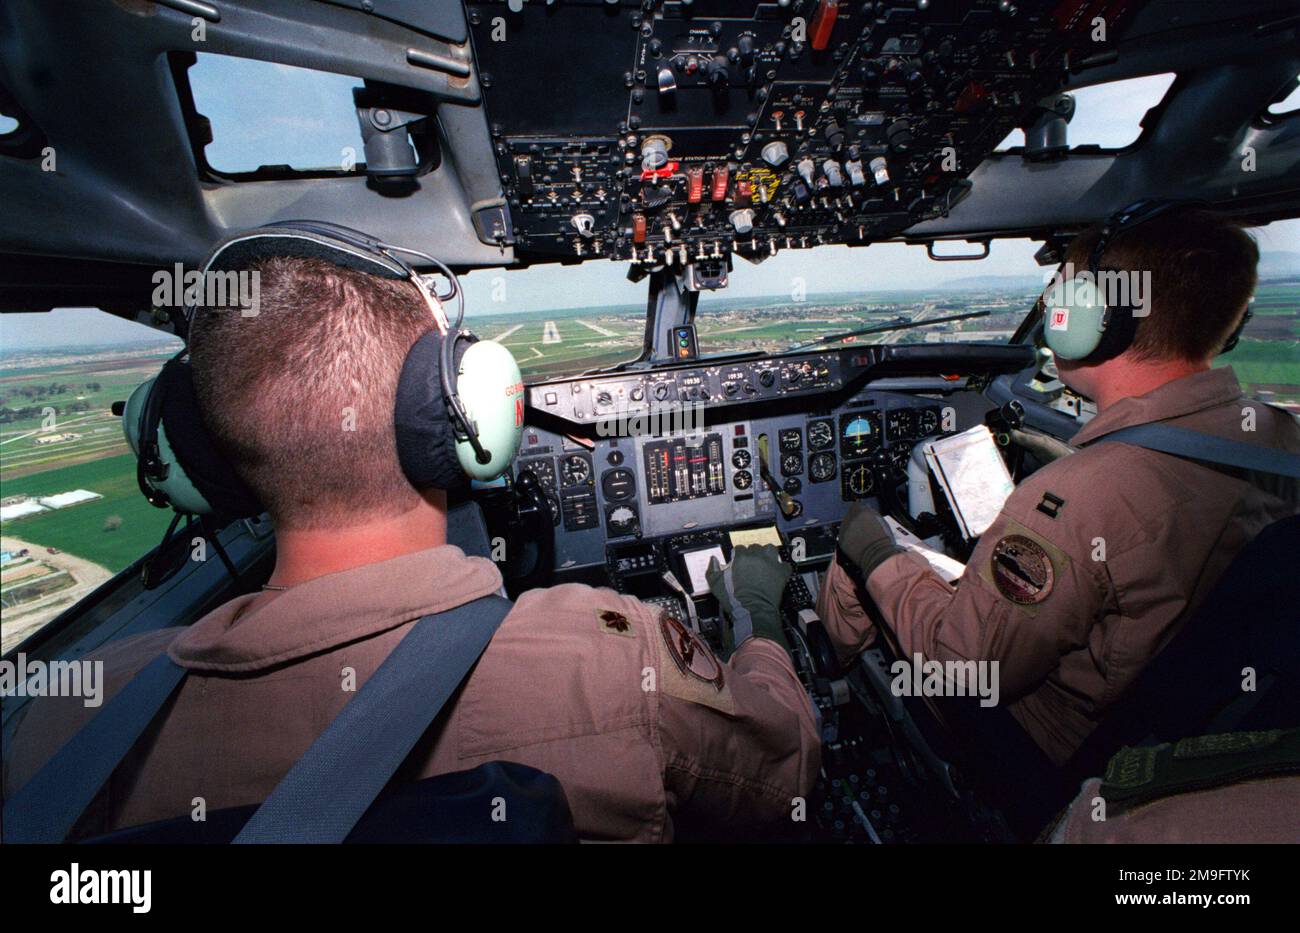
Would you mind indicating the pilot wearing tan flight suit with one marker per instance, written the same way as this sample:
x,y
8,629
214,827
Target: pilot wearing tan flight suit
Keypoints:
x,y
640,722
1095,558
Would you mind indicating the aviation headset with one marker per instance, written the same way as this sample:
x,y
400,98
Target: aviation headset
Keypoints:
x,y
1078,322
459,406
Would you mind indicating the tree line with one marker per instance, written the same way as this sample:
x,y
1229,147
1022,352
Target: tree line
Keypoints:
x,y
27,412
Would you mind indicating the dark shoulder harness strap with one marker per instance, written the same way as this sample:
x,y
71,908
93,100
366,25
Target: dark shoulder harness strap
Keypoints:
x,y
47,807
332,785
1182,442
329,788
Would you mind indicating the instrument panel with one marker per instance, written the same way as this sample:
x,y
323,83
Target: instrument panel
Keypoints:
x,y
611,495
623,400
641,454
681,131
591,399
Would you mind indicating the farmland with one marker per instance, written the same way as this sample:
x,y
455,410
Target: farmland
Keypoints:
x,y
57,434
86,529
72,441
552,343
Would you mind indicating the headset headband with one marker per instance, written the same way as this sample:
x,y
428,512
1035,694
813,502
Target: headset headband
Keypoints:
x,y
333,243
1126,218
344,246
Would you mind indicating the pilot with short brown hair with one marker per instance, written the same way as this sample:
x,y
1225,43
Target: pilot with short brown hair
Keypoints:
x,y
1097,557
643,726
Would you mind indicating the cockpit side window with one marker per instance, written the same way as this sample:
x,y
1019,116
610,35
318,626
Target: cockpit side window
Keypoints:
x,y
268,119
71,514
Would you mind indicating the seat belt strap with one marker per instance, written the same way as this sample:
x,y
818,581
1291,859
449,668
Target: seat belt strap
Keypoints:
x,y
1182,442
47,807
336,780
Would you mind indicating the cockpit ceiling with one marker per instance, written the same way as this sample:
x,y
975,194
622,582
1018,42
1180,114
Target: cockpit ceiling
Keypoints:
x,y
652,131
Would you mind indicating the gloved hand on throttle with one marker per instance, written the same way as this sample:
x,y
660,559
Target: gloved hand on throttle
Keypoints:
x,y
749,591
865,538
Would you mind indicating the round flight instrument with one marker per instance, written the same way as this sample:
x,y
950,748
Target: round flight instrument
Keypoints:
x,y
822,467
575,470
858,434
821,434
860,480
741,459
543,468
928,422
901,424
742,479
791,464
618,485
621,521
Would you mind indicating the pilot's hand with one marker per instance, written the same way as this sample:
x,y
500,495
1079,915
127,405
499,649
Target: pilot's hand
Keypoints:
x,y
865,538
749,591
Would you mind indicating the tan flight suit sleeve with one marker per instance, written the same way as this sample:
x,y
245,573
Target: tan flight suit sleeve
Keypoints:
x,y
742,750
736,741
839,604
1025,600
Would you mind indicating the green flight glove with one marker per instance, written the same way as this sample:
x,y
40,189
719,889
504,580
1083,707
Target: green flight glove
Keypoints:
x,y
865,538
749,591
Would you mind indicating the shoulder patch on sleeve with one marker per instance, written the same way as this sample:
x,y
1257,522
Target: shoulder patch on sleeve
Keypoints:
x,y
689,670
1024,567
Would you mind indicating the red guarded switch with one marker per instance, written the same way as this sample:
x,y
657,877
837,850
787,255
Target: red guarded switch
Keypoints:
x,y
720,176
668,171
823,24
694,185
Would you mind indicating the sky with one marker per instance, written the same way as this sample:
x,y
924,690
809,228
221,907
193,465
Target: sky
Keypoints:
x,y
306,119
824,270
72,329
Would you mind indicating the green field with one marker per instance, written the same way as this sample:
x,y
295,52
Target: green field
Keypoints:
x,y
80,529
1268,358
1265,363
588,337
1277,298
597,337
80,392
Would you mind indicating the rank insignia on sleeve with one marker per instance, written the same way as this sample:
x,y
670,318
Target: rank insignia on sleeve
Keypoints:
x,y
615,623
689,653
1022,570
1051,505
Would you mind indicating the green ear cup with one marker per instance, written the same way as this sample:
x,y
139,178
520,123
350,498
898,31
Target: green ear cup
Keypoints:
x,y
176,486
131,415
1073,312
492,391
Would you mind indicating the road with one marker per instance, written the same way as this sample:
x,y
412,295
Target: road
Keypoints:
x,y
17,625
598,329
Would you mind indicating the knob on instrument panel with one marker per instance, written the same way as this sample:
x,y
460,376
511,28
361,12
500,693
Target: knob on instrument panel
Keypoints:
x,y
743,220
775,153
